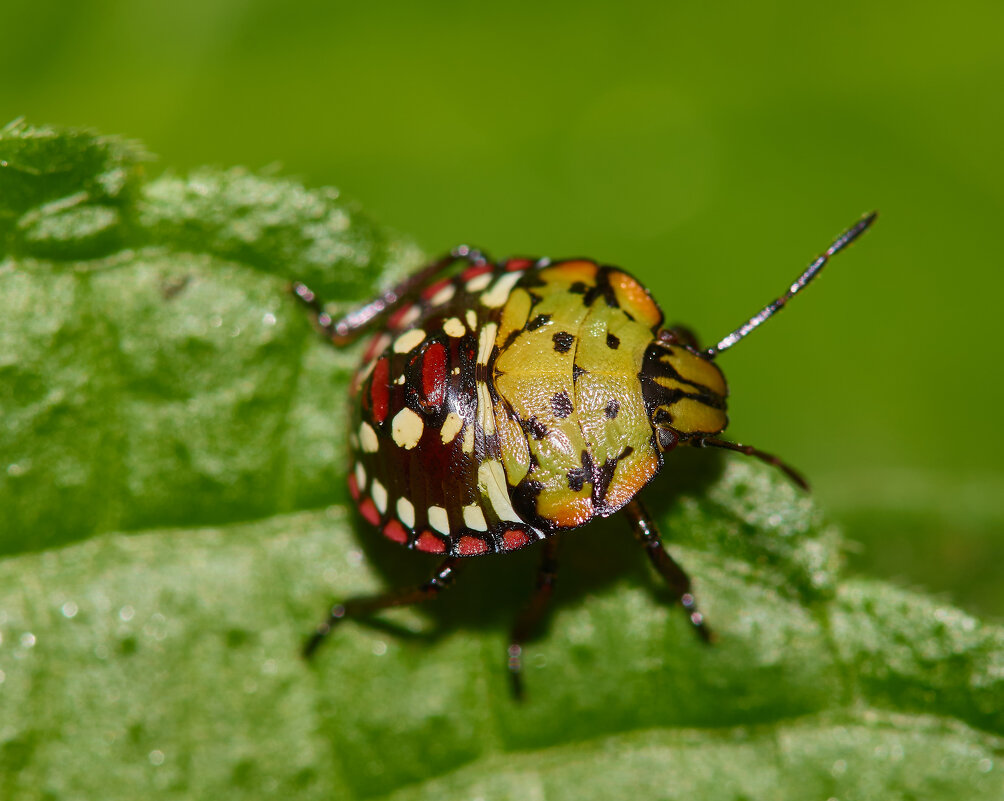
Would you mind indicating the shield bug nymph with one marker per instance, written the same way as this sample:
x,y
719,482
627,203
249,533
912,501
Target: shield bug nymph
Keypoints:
x,y
501,404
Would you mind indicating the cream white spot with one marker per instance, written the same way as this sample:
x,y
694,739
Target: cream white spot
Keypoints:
x,y
406,512
409,340
486,341
438,519
360,476
406,428
442,295
472,319
486,414
479,282
468,445
400,380
368,438
454,328
410,317
379,494
499,293
492,483
475,518
451,427
455,371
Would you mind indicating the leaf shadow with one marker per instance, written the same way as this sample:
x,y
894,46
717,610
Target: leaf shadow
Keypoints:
x,y
490,592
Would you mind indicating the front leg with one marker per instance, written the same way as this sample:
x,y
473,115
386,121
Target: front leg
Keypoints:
x,y
644,530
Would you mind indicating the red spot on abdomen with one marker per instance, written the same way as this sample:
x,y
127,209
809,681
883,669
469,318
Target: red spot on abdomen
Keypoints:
x,y
369,512
379,391
473,272
514,539
471,546
394,321
372,348
395,531
430,543
432,289
434,374
518,264
353,487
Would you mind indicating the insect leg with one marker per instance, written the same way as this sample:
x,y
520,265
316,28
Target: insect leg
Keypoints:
x,y
529,618
749,450
368,604
344,329
645,532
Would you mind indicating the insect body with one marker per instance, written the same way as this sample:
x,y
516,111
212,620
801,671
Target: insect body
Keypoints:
x,y
502,404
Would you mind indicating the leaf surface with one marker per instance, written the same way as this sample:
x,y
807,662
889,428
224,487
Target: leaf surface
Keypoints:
x,y
175,522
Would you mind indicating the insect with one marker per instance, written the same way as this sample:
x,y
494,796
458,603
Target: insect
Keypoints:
x,y
502,404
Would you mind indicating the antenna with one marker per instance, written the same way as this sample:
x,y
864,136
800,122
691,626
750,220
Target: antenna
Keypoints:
x,y
811,271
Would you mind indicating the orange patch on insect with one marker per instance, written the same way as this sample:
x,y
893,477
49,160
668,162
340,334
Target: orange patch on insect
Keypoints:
x,y
430,543
630,476
565,509
395,531
634,299
514,538
573,271
471,546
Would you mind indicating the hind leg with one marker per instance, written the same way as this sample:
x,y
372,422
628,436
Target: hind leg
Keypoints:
x,y
367,605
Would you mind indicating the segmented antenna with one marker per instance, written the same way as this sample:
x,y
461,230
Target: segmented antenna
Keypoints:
x,y
811,272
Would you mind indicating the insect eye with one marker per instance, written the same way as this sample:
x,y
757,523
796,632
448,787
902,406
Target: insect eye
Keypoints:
x,y
666,438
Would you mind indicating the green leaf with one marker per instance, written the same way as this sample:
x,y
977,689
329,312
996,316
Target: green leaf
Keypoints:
x,y
175,523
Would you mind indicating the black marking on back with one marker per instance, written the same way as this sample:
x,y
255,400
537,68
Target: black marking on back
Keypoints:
x,y
612,408
580,475
563,341
534,428
561,405
524,501
613,342
662,366
602,289
538,321
602,478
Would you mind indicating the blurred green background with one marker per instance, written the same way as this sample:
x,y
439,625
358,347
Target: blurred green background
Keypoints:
x,y
711,150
